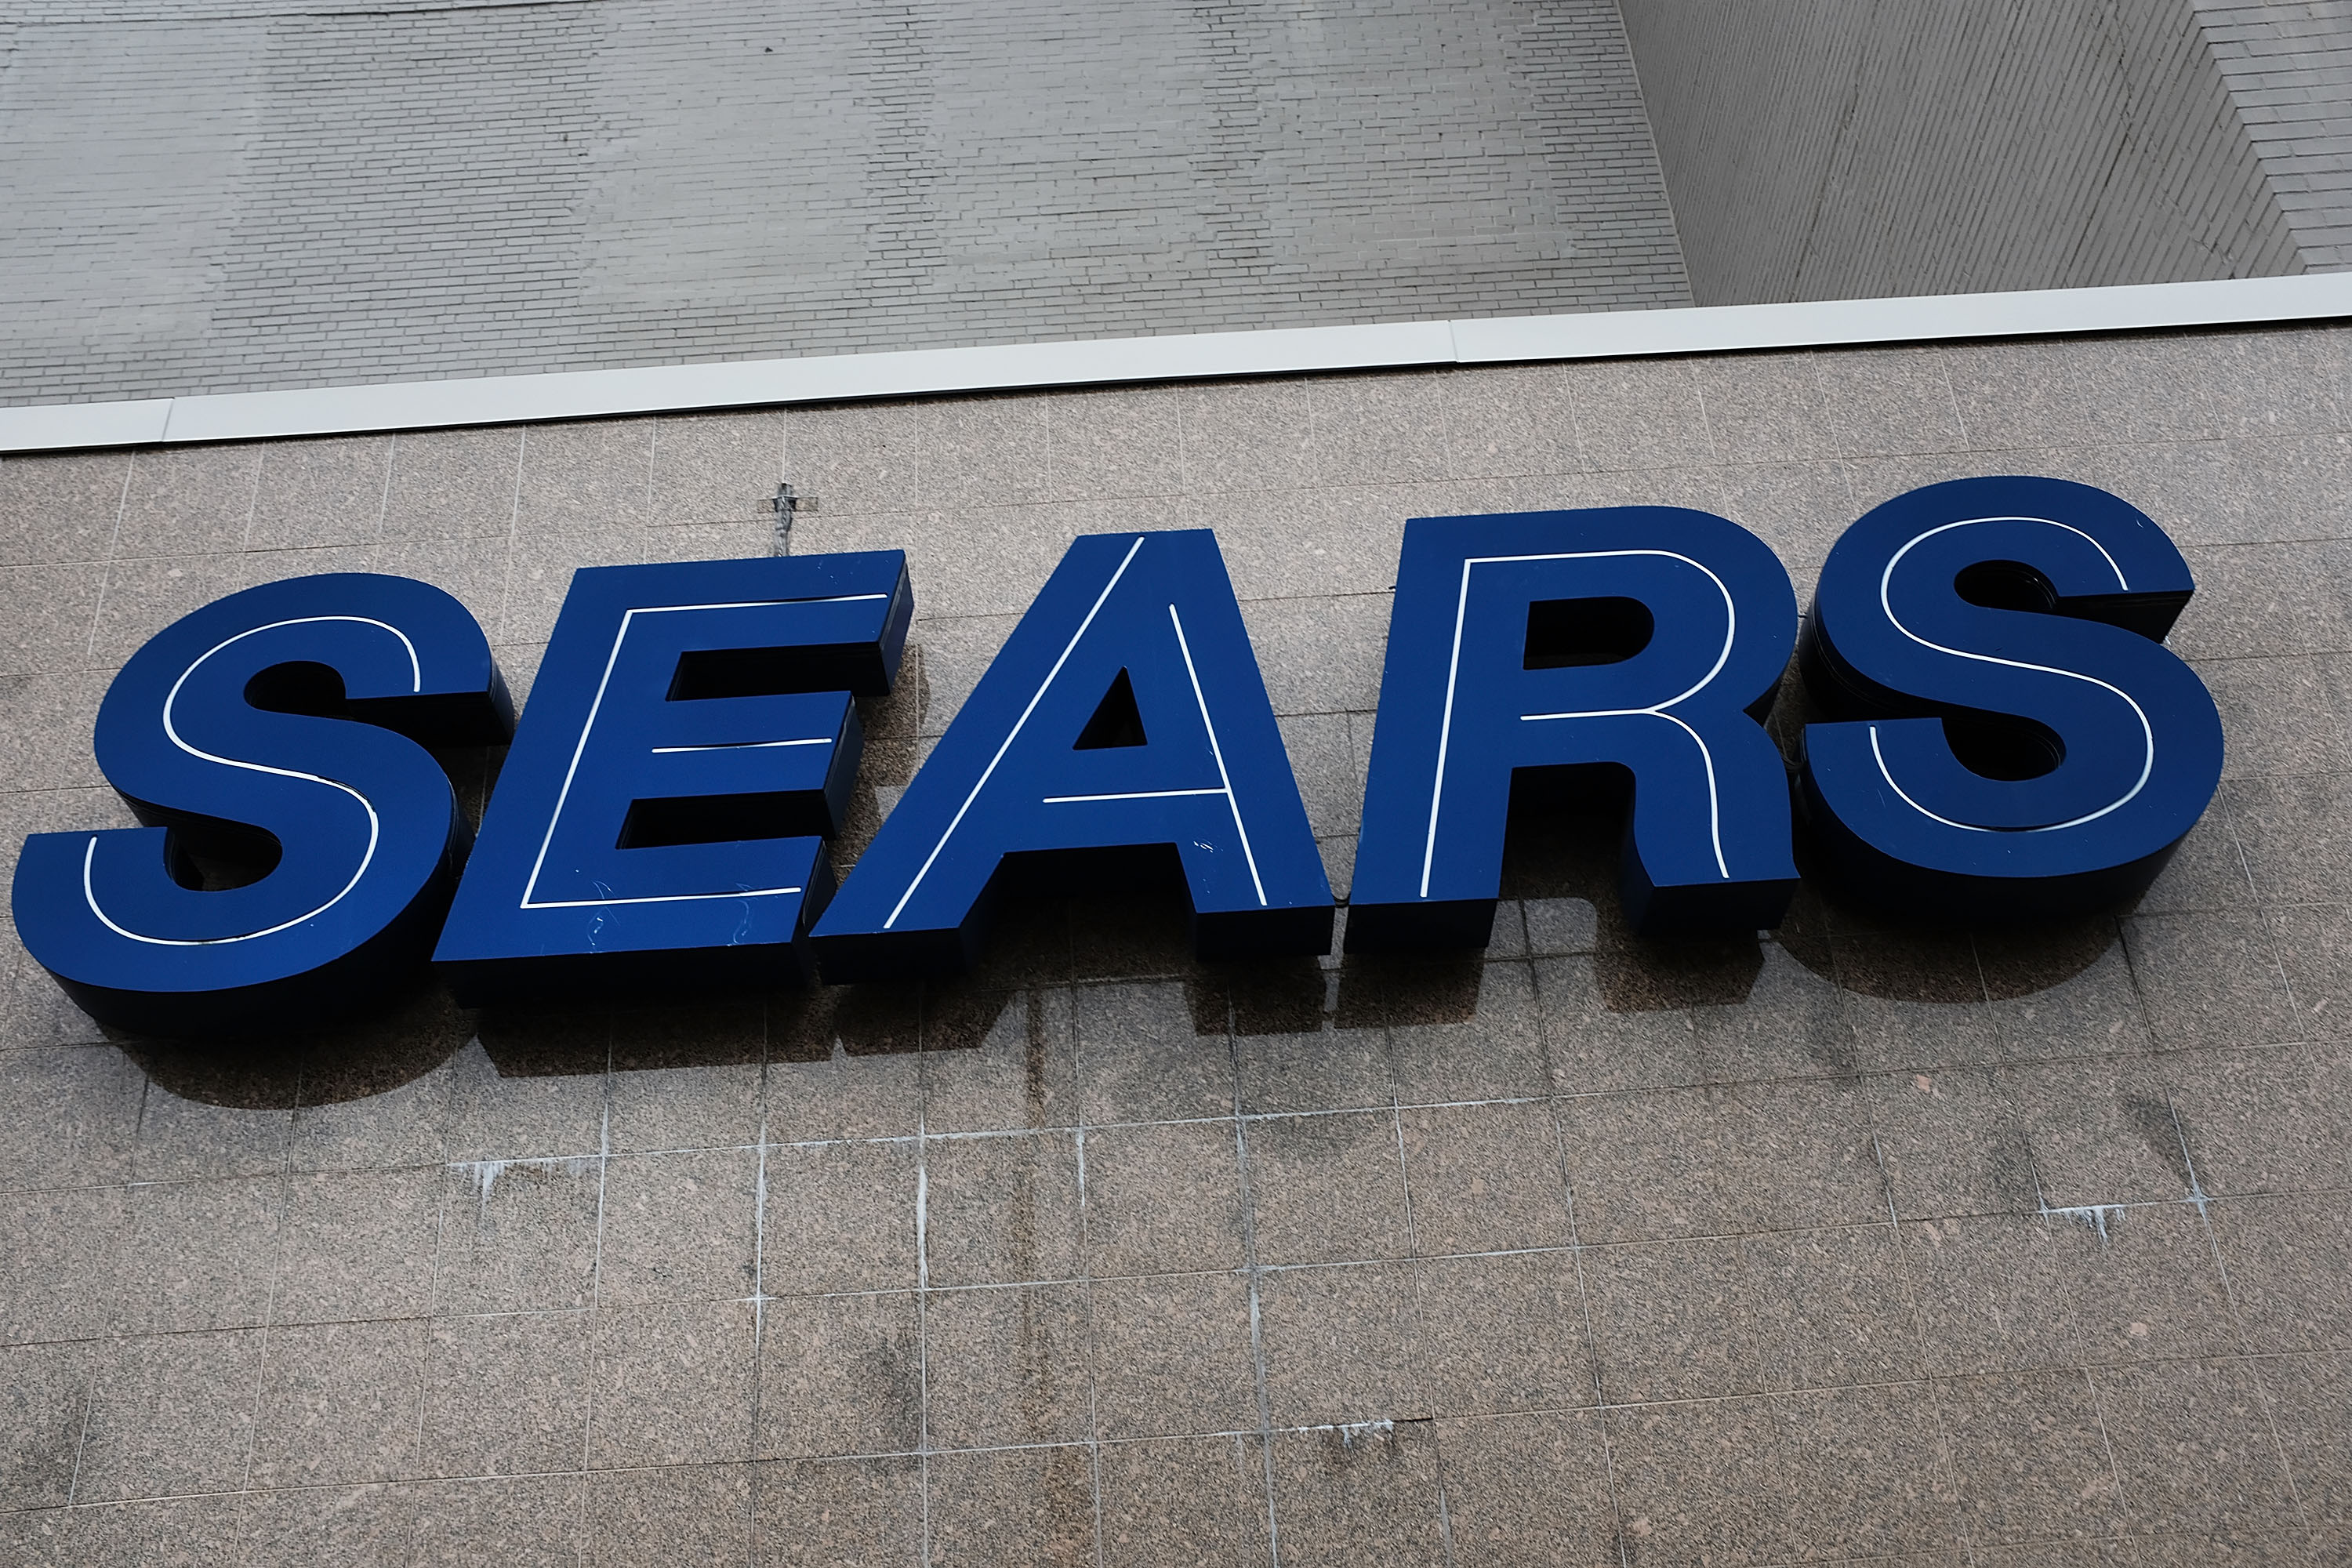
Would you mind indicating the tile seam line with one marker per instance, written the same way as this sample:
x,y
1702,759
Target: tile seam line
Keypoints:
x,y
844,378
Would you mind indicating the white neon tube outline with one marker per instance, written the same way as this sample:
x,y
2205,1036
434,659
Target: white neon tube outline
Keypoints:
x,y
579,748
2148,731
661,899
957,821
1215,750
375,826
1131,795
1219,752
1898,789
1454,668
740,746
1225,787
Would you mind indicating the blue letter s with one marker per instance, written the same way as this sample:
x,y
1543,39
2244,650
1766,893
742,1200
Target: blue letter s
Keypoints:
x,y
232,731
2018,742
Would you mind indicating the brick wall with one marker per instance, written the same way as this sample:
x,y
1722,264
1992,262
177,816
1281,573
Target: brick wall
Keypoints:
x,y
2289,70
206,199
1831,149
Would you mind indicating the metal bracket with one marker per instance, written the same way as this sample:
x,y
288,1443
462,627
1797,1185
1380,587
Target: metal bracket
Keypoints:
x,y
787,504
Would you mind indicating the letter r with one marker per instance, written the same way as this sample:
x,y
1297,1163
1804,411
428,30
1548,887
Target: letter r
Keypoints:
x,y
1651,639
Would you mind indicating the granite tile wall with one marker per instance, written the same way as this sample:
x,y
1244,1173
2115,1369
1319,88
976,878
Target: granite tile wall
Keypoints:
x,y
1849,1242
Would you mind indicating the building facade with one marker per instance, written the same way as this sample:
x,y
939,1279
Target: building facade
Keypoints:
x,y
1848,1241
1857,1240
264,194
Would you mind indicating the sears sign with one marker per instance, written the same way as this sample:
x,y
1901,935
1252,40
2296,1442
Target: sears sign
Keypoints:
x,y
2007,738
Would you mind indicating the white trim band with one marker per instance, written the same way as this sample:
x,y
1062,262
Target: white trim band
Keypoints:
x,y
750,384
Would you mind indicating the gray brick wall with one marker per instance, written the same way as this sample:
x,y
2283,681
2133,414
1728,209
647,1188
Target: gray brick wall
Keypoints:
x,y
1829,148
213,197
2289,70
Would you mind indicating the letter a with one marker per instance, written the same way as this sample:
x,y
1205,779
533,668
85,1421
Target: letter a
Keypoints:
x,y
1123,724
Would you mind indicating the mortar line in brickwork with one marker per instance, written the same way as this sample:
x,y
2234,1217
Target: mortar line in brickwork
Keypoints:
x,y
1571,1250
2197,1197
106,569
514,516
653,462
1925,1383
1903,1279
596,1253
252,501
758,1296
486,1172
264,1334
922,1282
444,1198
1822,1079
1086,1287
1251,1272
2106,1442
384,501
1413,1267
1584,1291
81,1432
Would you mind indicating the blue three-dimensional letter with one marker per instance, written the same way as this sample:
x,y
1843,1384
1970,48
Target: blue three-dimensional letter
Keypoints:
x,y
1125,716
2018,742
275,729
689,744
1647,637
2007,738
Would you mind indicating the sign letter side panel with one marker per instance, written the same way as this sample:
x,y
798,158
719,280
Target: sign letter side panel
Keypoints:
x,y
692,742
1123,733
